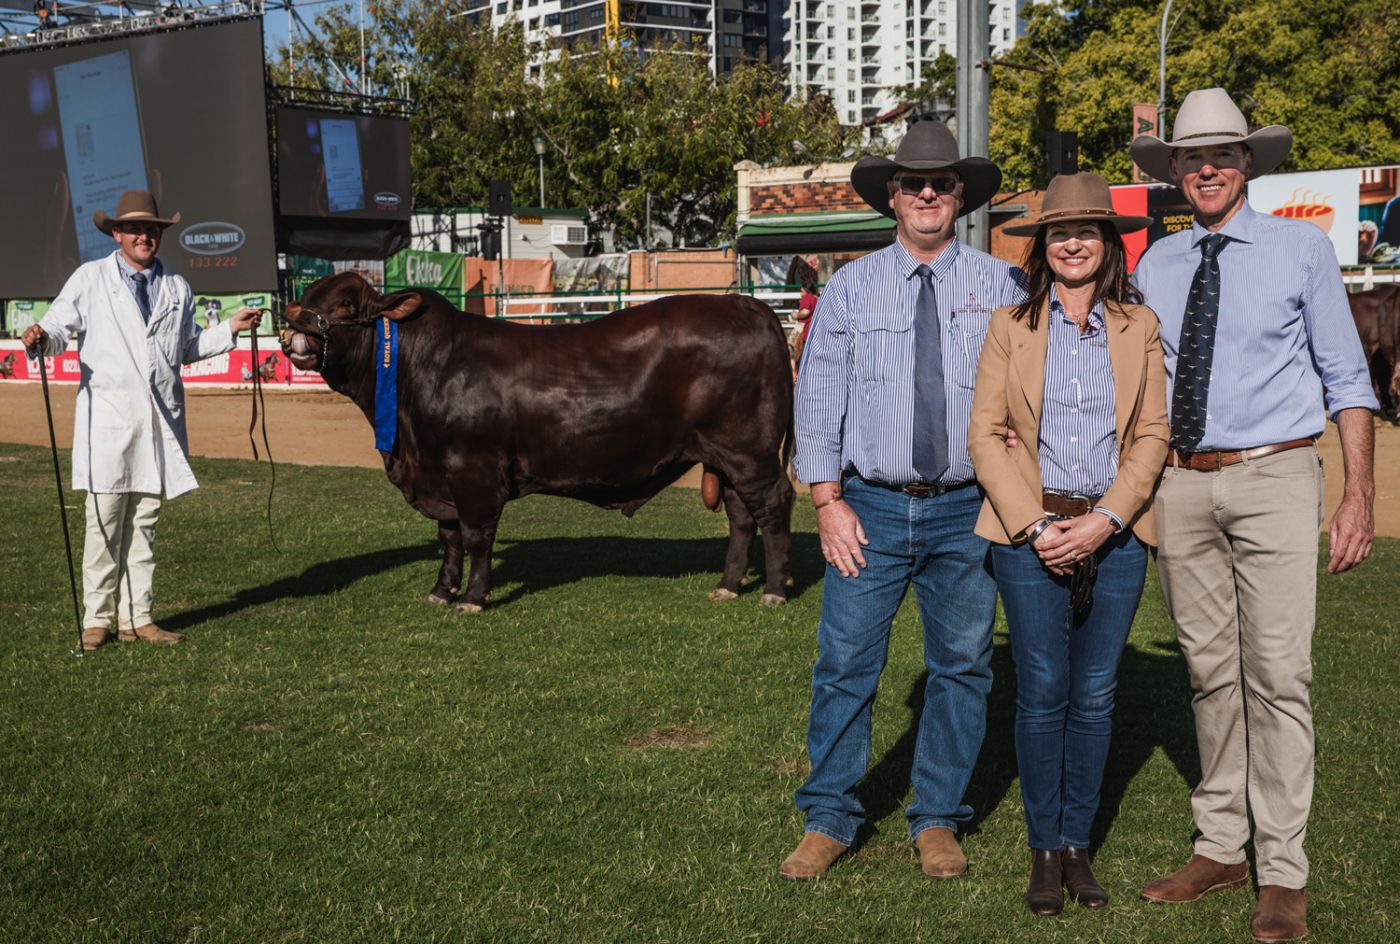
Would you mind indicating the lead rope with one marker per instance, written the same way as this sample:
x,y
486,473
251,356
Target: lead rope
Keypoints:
x,y
258,398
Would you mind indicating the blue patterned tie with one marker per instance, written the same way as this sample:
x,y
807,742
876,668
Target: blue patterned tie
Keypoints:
x,y
143,301
1196,349
930,399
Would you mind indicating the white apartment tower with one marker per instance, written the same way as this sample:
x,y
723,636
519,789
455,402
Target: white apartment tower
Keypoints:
x,y
859,51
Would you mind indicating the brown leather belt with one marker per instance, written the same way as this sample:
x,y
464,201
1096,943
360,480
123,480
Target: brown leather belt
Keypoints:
x,y
919,489
1214,461
1066,506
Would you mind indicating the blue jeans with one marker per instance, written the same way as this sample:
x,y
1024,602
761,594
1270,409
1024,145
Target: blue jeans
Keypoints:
x,y
1066,675
928,541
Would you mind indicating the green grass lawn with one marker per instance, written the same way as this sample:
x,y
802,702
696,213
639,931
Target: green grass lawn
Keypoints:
x,y
604,755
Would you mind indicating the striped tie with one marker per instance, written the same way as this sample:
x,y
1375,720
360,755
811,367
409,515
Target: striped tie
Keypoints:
x,y
930,399
143,300
1191,387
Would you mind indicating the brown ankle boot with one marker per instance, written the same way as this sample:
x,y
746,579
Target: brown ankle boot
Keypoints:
x,y
1194,880
940,856
1080,881
812,858
149,633
1043,895
1280,915
94,637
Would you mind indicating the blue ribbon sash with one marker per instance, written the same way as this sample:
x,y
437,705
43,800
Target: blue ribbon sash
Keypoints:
x,y
386,387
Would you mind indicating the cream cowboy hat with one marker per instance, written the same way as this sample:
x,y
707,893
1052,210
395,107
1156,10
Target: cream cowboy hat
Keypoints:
x,y
134,206
1074,197
1208,116
928,145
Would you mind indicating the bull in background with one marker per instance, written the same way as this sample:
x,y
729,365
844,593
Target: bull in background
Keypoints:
x,y
609,412
1377,316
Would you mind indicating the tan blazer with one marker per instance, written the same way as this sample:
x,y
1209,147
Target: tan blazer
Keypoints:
x,y
1009,392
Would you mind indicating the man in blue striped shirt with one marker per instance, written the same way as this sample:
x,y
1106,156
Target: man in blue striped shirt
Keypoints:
x,y
1260,349
883,400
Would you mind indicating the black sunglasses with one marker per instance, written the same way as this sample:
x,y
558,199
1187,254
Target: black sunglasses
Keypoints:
x,y
139,229
913,184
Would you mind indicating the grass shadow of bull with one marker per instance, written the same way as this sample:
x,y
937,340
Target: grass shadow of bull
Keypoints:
x,y
478,411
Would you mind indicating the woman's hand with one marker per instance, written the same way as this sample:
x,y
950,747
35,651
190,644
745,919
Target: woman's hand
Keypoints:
x,y
1065,543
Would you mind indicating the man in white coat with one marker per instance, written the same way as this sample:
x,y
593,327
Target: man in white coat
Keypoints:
x,y
134,321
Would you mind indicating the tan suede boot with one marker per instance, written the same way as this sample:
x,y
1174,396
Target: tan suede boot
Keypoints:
x,y
1280,915
1194,880
149,633
812,858
940,856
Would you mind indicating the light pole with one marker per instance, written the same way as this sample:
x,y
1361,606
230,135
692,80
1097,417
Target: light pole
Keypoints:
x,y
1163,31
539,152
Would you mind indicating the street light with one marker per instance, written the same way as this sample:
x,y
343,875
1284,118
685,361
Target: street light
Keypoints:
x,y
539,152
1163,31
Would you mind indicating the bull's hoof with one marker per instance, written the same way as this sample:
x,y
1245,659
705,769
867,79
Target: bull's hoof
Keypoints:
x,y
772,599
436,600
470,609
720,593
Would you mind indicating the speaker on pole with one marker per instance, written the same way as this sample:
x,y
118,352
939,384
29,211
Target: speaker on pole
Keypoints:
x,y
499,202
1061,152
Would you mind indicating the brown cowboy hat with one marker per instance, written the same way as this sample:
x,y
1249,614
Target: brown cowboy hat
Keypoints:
x,y
1209,116
134,206
1074,197
928,145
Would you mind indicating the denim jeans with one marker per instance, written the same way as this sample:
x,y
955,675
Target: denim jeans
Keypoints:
x,y
929,542
1066,675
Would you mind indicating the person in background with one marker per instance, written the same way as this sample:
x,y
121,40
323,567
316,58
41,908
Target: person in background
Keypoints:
x,y
1075,372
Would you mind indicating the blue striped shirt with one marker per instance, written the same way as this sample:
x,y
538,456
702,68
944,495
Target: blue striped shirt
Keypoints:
x,y
154,272
1285,340
855,386
1078,442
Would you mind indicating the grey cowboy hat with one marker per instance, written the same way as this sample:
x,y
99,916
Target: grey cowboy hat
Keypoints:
x,y
926,146
1209,116
134,206
1075,197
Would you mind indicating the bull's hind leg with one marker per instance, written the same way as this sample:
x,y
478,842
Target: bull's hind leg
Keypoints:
x,y
736,558
769,497
478,536
450,573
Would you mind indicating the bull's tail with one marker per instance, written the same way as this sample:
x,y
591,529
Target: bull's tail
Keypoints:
x,y
789,442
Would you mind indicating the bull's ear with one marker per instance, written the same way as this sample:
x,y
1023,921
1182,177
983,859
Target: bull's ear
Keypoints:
x,y
399,305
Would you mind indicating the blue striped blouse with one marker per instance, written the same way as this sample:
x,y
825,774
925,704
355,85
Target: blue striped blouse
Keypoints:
x,y
855,385
1078,443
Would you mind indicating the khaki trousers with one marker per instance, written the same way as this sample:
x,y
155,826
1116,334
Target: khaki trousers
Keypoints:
x,y
1237,560
118,561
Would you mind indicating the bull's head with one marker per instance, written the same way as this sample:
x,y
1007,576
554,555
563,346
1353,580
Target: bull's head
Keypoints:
x,y
318,329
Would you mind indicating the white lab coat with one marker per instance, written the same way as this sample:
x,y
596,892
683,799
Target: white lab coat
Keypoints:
x,y
129,427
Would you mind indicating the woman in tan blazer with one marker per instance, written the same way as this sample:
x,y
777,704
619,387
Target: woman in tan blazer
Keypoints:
x,y
1068,436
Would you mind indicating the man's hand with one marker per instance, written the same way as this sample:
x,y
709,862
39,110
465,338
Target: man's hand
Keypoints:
x,y
34,340
839,530
1350,535
1065,543
245,319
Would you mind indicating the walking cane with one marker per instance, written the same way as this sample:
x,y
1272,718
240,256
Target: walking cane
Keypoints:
x,y
62,509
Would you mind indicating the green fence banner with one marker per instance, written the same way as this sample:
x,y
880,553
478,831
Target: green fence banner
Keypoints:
x,y
440,271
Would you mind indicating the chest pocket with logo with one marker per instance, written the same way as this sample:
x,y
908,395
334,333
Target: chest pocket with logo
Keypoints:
x,y
884,345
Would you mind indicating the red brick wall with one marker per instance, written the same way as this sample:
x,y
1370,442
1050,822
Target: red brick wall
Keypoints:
x,y
814,197
1013,248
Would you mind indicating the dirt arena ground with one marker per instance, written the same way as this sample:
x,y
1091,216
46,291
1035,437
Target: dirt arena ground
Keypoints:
x,y
323,428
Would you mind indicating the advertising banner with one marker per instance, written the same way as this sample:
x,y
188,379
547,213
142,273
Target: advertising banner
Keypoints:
x,y
210,310
413,268
1144,122
20,313
1329,199
233,369
484,278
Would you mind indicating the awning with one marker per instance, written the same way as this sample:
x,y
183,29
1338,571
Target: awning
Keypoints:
x,y
815,232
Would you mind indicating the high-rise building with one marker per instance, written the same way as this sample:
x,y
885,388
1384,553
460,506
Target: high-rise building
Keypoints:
x,y
859,52
727,31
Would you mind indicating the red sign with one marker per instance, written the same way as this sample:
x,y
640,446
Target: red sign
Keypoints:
x,y
233,369
1144,122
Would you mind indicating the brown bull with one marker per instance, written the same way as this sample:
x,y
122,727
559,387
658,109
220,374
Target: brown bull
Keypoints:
x,y
1377,316
609,412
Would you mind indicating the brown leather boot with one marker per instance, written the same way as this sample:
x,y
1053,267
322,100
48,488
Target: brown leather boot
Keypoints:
x,y
1194,880
940,856
1043,895
149,633
1080,881
94,637
812,858
1280,915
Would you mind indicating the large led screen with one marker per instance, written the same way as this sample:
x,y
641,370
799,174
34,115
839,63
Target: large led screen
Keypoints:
x,y
342,166
180,113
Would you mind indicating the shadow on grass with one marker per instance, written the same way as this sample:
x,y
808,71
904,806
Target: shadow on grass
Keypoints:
x,y
1153,709
536,565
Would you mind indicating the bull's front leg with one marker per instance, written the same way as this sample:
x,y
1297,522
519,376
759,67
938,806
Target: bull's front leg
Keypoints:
x,y
450,573
478,524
